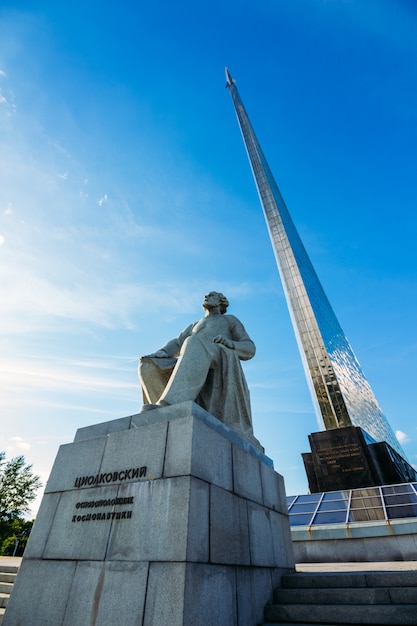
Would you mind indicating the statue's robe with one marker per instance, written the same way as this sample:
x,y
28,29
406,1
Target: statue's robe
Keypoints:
x,y
208,373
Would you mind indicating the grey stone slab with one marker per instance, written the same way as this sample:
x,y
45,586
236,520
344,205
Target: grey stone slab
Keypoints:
x,y
195,448
260,536
73,534
165,595
229,529
179,455
210,595
139,447
246,475
324,580
198,548
186,409
254,592
364,595
102,429
407,545
40,593
386,548
281,540
392,579
335,614
107,594
403,595
74,460
42,526
172,412
300,552
273,489
159,529
343,550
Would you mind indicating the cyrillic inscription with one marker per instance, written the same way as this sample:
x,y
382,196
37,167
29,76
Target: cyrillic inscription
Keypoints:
x,y
92,517
110,477
99,503
97,517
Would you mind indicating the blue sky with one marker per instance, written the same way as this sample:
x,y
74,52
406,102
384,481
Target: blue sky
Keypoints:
x,y
125,195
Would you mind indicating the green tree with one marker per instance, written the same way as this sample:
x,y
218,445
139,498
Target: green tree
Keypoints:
x,y
17,532
18,487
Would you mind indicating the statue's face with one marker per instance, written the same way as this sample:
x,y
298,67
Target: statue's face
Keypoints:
x,y
211,299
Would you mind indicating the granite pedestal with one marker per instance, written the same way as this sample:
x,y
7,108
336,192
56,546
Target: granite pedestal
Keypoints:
x,y
161,518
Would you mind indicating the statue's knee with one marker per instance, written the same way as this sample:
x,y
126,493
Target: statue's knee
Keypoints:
x,y
145,369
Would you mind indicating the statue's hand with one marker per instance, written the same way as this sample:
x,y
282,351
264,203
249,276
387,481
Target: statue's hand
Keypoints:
x,y
224,341
159,354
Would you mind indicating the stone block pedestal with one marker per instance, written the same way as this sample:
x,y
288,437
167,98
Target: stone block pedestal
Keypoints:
x,y
162,518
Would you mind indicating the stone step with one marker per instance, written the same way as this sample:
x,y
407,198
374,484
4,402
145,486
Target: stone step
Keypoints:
x,y
6,588
326,580
7,577
329,614
9,569
358,595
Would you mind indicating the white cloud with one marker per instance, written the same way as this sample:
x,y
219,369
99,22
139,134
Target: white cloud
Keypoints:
x,y
2,73
8,210
14,445
2,240
103,199
20,443
35,301
44,374
402,437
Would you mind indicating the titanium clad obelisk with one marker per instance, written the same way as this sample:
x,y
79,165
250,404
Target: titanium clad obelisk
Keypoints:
x,y
341,394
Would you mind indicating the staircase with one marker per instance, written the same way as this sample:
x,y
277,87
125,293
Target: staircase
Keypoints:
x,y
8,574
378,598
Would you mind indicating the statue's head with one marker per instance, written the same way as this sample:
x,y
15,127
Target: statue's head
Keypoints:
x,y
214,298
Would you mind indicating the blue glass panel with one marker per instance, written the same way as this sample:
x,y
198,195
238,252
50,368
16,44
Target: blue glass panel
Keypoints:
x,y
336,495
333,517
300,520
399,512
313,497
391,489
335,505
290,500
304,507
405,498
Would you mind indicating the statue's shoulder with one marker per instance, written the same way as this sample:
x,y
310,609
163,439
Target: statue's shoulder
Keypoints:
x,y
232,319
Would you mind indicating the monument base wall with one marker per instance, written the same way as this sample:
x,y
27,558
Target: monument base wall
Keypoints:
x,y
375,541
162,518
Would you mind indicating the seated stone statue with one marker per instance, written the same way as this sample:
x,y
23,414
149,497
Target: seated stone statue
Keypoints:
x,y
203,365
